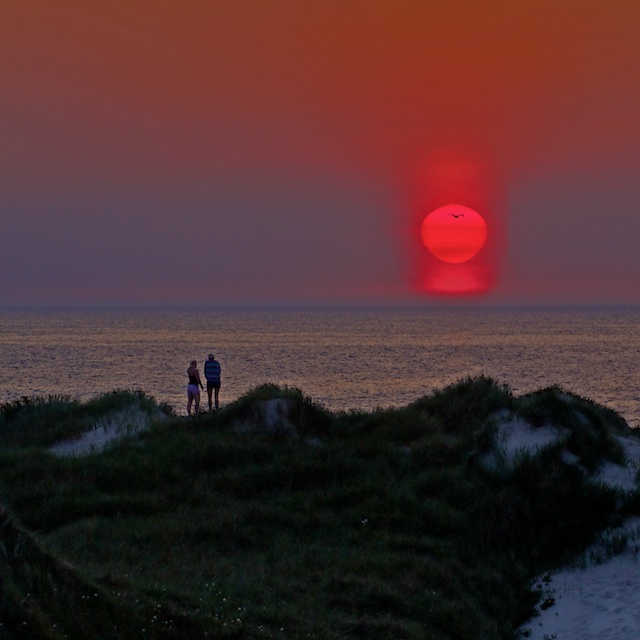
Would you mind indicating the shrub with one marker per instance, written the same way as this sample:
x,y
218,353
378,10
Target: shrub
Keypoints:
x,y
465,405
300,415
41,422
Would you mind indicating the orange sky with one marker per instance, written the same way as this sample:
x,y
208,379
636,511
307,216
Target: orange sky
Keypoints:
x,y
271,151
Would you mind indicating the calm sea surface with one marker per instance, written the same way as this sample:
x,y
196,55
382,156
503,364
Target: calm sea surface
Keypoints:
x,y
343,359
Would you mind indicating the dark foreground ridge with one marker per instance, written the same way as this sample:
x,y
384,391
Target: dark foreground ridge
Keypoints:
x,y
275,518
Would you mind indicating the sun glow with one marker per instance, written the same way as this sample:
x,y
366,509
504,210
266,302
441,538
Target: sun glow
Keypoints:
x,y
454,233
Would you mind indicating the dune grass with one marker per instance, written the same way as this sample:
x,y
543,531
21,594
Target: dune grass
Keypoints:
x,y
43,421
357,525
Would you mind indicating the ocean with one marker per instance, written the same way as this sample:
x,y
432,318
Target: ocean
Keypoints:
x,y
344,359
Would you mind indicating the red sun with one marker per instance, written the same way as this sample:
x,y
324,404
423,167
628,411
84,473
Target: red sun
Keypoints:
x,y
454,233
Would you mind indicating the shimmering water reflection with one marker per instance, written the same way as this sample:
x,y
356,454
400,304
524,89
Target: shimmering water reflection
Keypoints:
x,y
343,359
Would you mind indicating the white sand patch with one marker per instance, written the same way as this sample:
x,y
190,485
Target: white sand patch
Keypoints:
x,y
571,459
622,477
616,477
599,602
275,414
127,422
515,437
518,436
271,416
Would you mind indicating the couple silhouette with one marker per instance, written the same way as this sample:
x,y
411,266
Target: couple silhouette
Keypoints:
x,y
212,373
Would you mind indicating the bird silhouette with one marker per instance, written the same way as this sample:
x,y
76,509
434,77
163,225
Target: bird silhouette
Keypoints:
x,y
459,215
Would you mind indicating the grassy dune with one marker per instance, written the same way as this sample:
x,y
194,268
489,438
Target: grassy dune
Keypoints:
x,y
275,518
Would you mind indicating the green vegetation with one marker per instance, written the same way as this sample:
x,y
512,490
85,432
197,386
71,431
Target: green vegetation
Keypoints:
x,y
32,422
275,518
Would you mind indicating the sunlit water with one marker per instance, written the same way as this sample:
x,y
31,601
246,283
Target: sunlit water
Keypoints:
x,y
343,359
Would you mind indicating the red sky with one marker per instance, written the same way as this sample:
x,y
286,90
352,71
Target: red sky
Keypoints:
x,y
203,152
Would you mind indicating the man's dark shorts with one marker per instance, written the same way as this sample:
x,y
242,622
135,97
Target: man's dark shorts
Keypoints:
x,y
213,385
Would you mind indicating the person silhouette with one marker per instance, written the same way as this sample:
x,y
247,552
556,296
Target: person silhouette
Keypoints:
x,y
212,372
193,387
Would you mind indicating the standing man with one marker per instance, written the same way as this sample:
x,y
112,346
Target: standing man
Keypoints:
x,y
212,374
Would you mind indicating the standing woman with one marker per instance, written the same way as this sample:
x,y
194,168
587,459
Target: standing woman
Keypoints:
x,y
193,388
